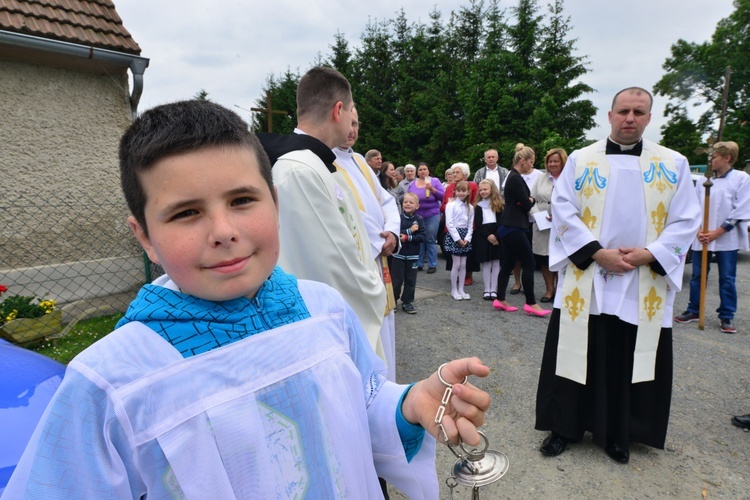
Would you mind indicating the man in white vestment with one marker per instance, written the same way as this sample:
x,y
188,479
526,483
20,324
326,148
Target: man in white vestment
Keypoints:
x,y
729,211
382,222
323,234
623,213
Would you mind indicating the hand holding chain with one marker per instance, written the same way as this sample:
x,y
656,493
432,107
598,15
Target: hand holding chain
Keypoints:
x,y
476,466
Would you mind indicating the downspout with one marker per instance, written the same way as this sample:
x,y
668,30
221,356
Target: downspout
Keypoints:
x,y
137,64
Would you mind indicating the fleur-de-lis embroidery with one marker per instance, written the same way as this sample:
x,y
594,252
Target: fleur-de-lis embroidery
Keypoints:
x,y
588,219
654,276
574,304
578,273
651,303
659,217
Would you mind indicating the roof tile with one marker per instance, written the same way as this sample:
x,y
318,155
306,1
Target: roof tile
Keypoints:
x,y
87,22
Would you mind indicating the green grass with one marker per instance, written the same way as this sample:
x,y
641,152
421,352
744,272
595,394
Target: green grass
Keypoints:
x,y
79,338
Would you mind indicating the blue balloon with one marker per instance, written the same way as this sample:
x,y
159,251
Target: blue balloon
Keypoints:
x,y
28,380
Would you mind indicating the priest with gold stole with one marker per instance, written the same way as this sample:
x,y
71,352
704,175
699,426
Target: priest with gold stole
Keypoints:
x,y
624,213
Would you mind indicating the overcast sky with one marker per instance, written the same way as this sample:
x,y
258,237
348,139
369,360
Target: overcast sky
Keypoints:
x,y
229,47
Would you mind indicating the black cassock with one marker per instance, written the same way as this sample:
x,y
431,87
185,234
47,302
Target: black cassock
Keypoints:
x,y
609,406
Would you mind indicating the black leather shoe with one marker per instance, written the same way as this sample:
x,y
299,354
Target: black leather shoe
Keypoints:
x,y
617,453
514,291
742,421
553,445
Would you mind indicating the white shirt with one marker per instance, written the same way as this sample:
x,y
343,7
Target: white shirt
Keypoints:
x,y
456,216
488,215
493,175
729,199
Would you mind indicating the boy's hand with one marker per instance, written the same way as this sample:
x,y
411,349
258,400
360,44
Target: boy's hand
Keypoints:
x,y
465,411
414,227
704,238
404,238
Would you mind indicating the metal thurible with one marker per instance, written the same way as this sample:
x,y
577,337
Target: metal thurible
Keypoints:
x,y
475,466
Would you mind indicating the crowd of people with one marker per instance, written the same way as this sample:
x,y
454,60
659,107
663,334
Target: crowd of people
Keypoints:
x,y
476,227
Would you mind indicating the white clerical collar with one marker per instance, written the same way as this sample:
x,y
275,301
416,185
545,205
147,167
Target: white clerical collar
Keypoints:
x,y
623,147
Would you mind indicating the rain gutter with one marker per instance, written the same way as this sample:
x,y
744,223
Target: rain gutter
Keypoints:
x,y
137,64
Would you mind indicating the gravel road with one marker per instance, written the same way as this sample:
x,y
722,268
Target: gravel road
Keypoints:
x,y
705,456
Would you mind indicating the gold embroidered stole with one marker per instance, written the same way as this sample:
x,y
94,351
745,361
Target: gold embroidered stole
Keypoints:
x,y
592,179
390,302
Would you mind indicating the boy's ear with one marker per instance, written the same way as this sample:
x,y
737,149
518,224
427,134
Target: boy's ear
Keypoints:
x,y
145,242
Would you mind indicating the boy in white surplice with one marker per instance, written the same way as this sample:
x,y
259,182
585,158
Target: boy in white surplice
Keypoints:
x,y
228,378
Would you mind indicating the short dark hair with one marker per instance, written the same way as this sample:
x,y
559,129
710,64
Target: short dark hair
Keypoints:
x,y
319,90
635,90
175,128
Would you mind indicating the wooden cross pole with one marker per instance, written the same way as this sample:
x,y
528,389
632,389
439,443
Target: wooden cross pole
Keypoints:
x,y
704,251
269,111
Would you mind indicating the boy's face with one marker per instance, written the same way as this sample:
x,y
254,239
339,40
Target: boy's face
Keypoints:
x,y
212,221
409,204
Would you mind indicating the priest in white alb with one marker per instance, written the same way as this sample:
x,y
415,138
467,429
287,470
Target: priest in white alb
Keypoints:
x,y
382,223
624,213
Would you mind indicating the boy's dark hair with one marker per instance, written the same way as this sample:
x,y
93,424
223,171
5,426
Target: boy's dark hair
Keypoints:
x,y
175,128
318,90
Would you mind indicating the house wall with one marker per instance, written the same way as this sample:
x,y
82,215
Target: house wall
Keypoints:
x,y
61,203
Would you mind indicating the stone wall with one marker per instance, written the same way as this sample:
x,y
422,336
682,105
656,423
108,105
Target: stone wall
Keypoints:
x,y
61,201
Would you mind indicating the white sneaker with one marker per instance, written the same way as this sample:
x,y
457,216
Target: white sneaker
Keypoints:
x,y
465,296
457,296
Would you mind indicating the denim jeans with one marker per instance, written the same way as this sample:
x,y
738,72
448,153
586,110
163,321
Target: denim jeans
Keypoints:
x,y
727,262
430,246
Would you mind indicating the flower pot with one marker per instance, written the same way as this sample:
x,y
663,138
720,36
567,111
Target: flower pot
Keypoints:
x,y
24,330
